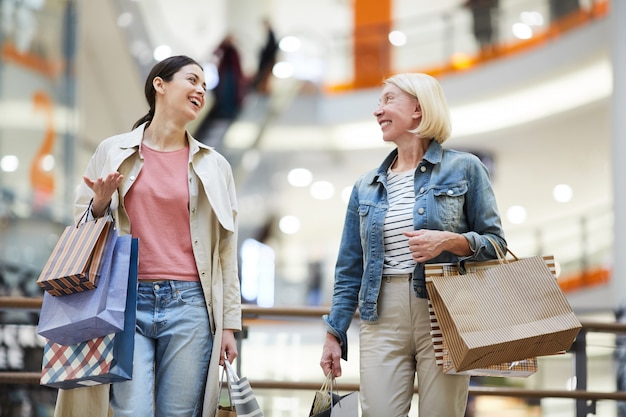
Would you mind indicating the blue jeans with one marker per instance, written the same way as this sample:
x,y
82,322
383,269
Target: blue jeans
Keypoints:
x,y
173,344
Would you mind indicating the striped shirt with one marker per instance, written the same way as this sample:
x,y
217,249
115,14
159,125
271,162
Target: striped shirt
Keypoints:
x,y
399,219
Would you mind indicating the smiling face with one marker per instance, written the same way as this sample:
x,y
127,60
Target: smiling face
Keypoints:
x,y
397,114
184,94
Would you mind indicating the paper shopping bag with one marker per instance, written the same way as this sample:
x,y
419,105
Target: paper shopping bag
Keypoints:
x,y
323,398
76,262
346,406
514,369
328,403
521,369
102,360
507,312
242,397
226,411
225,406
89,314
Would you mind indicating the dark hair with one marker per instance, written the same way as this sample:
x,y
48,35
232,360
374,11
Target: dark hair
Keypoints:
x,y
165,70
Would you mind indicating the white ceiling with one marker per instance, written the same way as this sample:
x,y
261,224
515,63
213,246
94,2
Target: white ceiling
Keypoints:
x,y
572,146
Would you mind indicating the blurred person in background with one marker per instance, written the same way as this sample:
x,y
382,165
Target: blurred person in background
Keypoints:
x,y
483,24
267,59
562,8
231,87
228,94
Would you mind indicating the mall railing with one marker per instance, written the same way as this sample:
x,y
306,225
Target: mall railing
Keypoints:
x,y
441,41
585,399
438,40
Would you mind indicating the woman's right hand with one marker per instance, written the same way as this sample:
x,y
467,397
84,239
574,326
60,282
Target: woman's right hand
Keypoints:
x,y
103,189
331,356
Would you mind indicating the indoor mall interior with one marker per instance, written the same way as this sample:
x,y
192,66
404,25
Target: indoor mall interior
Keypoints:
x,y
537,99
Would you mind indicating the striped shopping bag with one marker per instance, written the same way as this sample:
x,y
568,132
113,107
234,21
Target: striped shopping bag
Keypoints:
x,y
76,261
242,397
522,368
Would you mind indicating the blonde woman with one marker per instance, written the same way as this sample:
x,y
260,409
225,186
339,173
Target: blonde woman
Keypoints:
x,y
423,204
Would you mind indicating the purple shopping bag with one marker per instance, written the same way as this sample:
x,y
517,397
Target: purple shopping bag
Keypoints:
x,y
102,360
89,314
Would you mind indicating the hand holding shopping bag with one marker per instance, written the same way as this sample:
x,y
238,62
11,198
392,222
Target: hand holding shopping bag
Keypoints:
x,y
241,396
328,403
76,262
522,311
225,406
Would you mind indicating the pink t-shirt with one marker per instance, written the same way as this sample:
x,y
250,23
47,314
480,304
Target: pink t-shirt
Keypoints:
x,y
158,208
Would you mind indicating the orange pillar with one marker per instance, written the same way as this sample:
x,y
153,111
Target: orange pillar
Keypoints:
x,y
372,23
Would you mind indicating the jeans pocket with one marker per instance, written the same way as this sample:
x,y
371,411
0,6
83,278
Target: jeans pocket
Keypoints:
x,y
191,296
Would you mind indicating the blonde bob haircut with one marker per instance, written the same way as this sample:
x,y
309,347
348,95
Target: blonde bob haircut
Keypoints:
x,y
435,121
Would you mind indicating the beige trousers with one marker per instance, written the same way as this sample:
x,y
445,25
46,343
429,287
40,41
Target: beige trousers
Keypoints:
x,y
396,348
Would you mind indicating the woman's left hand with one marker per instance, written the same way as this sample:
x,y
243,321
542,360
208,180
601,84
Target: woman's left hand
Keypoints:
x,y
428,244
425,244
229,346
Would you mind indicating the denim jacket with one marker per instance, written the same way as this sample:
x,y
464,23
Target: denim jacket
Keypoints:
x,y
452,193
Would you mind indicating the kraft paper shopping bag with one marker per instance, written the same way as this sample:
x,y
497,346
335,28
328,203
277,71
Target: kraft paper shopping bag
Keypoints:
x,y
508,312
327,402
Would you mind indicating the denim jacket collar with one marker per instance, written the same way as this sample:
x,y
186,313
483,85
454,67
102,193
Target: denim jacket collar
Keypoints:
x,y
434,155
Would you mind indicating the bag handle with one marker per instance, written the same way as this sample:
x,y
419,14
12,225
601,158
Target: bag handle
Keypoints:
x,y
230,395
330,389
501,256
232,374
84,216
330,378
325,400
332,381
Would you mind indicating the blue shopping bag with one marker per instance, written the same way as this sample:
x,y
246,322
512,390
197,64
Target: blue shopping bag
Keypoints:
x,y
74,318
102,360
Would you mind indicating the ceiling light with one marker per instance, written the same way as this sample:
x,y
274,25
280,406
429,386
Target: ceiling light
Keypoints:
x,y
289,44
161,52
289,225
397,38
562,193
9,163
47,163
322,190
283,70
522,31
299,177
516,214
